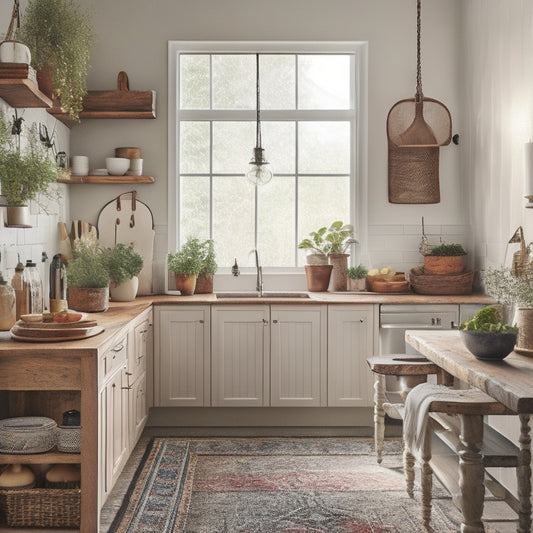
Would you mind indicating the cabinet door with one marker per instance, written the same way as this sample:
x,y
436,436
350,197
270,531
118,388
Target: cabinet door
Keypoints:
x,y
138,412
142,339
350,343
116,426
297,356
240,355
182,356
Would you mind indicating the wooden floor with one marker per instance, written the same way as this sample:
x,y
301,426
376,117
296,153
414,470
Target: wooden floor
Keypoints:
x,y
500,516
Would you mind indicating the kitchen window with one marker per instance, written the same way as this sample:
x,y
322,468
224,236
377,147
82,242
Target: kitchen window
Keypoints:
x,y
313,129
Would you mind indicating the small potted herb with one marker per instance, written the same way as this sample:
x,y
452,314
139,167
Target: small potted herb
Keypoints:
x,y
445,259
186,264
204,281
123,265
357,278
87,278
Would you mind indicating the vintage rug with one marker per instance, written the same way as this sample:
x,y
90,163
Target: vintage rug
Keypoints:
x,y
272,485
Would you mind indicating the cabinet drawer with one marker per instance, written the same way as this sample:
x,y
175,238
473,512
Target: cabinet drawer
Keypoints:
x,y
114,358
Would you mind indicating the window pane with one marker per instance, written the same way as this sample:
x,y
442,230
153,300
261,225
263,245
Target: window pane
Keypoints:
x,y
277,75
194,147
194,81
321,201
275,222
324,82
233,219
279,145
194,208
234,81
233,144
324,147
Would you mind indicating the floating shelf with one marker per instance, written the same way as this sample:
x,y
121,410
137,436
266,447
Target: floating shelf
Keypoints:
x,y
18,90
115,180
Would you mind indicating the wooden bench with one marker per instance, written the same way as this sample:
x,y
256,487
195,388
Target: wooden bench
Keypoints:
x,y
412,370
457,421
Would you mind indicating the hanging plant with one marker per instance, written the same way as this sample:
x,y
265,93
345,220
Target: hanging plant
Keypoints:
x,y
60,36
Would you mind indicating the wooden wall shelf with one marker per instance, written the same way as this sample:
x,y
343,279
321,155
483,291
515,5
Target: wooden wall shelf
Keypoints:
x,y
18,90
115,180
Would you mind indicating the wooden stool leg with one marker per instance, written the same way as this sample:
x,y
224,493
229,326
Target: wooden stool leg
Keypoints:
x,y
379,415
523,473
409,469
426,480
471,474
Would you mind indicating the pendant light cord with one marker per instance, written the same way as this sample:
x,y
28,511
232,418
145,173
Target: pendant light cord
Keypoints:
x,y
258,121
419,94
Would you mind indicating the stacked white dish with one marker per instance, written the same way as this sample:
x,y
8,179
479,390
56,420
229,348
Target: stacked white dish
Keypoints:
x,y
79,165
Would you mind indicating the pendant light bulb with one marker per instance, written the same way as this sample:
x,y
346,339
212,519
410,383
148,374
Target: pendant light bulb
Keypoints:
x,y
259,172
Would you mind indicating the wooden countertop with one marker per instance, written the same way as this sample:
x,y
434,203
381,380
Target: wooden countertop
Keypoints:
x,y
120,314
509,381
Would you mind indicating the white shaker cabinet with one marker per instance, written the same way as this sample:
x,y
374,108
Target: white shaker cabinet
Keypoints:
x,y
240,355
182,356
298,355
351,339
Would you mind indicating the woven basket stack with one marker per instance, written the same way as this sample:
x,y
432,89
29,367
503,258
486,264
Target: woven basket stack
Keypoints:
x,y
441,284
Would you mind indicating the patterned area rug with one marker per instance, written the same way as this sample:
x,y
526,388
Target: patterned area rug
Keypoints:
x,y
272,485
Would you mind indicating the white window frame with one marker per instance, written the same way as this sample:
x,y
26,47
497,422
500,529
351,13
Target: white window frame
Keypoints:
x,y
293,278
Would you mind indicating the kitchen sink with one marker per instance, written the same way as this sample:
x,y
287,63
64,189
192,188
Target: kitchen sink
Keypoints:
x,y
266,294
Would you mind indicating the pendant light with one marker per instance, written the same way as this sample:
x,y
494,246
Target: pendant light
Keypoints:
x,y
259,173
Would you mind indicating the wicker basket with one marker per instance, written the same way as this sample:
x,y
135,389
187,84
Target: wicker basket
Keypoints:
x,y
68,439
436,284
46,508
27,434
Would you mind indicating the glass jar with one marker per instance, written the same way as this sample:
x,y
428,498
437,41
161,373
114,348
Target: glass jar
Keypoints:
x,y
7,305
35,287
21,291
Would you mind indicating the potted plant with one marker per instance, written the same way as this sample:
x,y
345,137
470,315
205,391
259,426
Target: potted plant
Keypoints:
x,y
357,278
445,259
339,237
204,281
12,50
186,265
87,278
59,36
24,173
123,265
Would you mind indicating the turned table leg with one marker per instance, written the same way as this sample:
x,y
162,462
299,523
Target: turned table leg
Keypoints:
x,y
379,415
426,480
524,477
471,474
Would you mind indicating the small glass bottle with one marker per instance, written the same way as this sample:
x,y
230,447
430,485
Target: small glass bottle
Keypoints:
x,y
21,291
7,305
35,285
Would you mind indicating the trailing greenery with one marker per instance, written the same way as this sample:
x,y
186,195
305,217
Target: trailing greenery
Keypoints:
x,y
358,272
122,262
448,250
24,173
489,319
507,289
333,240
86,269
59,35
209,264
189,259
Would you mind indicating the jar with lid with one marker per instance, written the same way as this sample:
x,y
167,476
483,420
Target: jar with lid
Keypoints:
x,y
7,305
21,291
35,287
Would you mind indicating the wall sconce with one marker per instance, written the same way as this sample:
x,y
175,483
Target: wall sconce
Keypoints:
x,y
528,176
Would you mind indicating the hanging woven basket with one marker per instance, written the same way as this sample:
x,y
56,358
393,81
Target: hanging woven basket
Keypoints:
x,y
416,128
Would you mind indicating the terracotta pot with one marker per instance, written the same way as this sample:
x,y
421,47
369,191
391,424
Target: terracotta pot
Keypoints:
x,y
125,291
340,278
18,216
89,300
45,81
186,284
435,264
524,339
204,285
317,277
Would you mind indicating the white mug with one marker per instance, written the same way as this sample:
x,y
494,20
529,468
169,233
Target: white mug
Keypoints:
x,y
136,167
79,165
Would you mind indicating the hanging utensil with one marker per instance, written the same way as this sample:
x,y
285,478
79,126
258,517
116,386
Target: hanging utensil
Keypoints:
x,y
416,128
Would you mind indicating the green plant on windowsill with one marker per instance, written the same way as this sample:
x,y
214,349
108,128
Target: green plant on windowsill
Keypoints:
x,y
447,250
358,272
187,260
334,239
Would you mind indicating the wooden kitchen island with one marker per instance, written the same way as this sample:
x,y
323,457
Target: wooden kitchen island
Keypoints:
x,y
509,381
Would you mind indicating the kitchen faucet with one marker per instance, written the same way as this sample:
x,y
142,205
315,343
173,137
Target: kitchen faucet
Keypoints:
x,y
259,268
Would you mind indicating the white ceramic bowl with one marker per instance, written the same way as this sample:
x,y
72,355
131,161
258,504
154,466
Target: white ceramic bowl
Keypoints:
x,y
117,166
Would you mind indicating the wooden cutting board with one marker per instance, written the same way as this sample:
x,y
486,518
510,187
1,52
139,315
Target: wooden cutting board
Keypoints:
x,y
25,334
57,325
127,220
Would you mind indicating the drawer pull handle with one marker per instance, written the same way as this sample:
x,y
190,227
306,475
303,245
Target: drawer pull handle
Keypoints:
x,y
126,388
118,348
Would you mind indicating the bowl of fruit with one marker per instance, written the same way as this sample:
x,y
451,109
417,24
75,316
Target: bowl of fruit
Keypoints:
x,y
385,280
